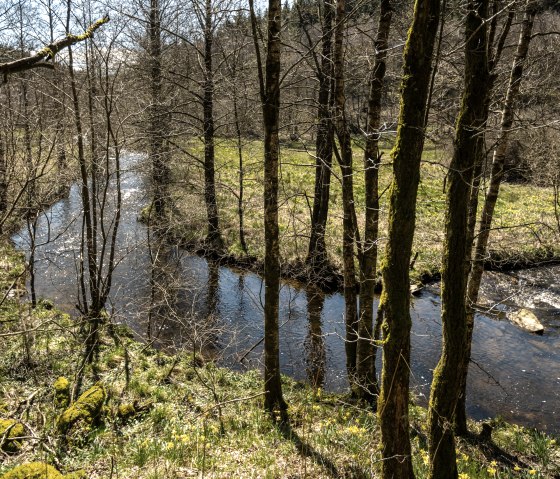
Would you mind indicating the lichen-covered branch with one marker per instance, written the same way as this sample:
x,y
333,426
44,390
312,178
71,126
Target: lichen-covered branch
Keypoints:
x,y
40,58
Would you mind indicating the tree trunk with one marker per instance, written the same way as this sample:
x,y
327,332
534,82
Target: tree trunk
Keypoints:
x,y
3,182
214,237
470,126
494,55
348,222
366,375
484,228
160,168
273,400
395,299
317,253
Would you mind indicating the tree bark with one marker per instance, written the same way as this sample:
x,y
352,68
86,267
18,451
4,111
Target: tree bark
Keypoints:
x,y
498,162
395,299
348,222
157,117
317,253
214,237
446,384
240,206
494,55
366,375
273,400
3,181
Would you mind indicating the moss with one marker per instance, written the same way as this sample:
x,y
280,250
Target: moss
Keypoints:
x,y
85,410
126,411
46,304
16,430
146,214
62,392
33,470
40,470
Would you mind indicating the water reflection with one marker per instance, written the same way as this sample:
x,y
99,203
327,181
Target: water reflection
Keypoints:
x,y
314,344
165,287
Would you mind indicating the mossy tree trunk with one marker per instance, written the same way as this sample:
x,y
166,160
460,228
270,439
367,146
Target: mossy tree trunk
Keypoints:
x,y
395,299
366,375
498,163
317,252
494,55
348,222
470,125
273,399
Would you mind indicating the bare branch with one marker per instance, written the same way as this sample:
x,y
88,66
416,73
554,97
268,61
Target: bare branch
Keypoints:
x,y
48,52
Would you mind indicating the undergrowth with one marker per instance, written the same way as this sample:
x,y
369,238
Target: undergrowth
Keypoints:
x,y
175,416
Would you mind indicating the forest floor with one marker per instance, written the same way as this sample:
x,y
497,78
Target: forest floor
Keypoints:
x,y
525,226
173,416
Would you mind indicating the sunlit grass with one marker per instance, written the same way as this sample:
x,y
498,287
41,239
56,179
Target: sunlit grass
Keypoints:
x,y
524,217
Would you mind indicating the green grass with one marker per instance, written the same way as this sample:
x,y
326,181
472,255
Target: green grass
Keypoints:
x,y
524,219
203,421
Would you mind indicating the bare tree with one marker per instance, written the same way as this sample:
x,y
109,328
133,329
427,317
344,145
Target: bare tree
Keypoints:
x,y
317,252
349,226
366,374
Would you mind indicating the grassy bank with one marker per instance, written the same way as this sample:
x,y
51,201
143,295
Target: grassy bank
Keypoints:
x,y
177,416
525,225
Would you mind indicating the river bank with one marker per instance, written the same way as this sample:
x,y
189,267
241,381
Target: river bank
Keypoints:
x,y
177,416
182,297
525,234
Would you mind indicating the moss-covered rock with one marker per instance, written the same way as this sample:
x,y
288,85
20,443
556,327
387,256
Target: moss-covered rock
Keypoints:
x,y
33,470
62,392
16,429
128,411
85,411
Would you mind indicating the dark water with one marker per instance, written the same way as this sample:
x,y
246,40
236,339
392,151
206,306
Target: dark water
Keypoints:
x,y
186,301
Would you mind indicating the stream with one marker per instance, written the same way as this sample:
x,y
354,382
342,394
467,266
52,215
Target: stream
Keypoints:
x,y
186,301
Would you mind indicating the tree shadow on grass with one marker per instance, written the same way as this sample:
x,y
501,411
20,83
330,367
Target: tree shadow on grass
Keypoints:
x,y
308,451
492,451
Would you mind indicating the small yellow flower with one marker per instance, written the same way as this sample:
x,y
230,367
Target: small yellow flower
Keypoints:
x,y
532,472
354,429
493,464
552,442
491,471
464,457
516,468
463,475
169,445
